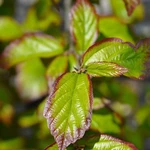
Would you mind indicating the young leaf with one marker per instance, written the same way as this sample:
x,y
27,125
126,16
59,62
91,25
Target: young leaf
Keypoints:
x,y
30,46
83,24
30,80
68,110
107,143
116,51
131,5
9,29
105,69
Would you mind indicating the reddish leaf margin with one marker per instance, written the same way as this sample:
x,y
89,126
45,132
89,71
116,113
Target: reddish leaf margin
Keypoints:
x,y
131,5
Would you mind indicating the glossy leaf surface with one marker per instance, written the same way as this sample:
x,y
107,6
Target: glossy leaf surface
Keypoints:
x,y
114,27
30,80
124,54
105,69
131,5
83,24
108,143
68,110
30,46
9,29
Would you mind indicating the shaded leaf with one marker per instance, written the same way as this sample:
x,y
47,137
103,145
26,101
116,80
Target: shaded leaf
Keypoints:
x,y
124,54
87,142
131,5
9,29
30,80
107,142
30,46
113,27
68,110
83,24
104,123
106,69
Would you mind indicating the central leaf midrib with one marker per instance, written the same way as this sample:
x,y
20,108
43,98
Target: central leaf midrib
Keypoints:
x,y
70,107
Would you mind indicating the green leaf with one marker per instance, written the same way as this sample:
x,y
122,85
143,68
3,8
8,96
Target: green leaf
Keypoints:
x,y
124,54
57,67
142,114
131,5
104,123
53,146
68,110
113,27
109,143
30,46
83,24
33,23
73,62
105,69
119,10
16,143
9,29
30,80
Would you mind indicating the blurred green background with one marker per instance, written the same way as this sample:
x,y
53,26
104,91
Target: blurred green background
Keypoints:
x,y
24,88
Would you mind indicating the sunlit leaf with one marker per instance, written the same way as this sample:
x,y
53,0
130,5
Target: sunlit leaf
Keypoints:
x,y
83,24
106,69
131,5
30,80
114,27
107,143
9,29
30,46
124,54
68,110
104,123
